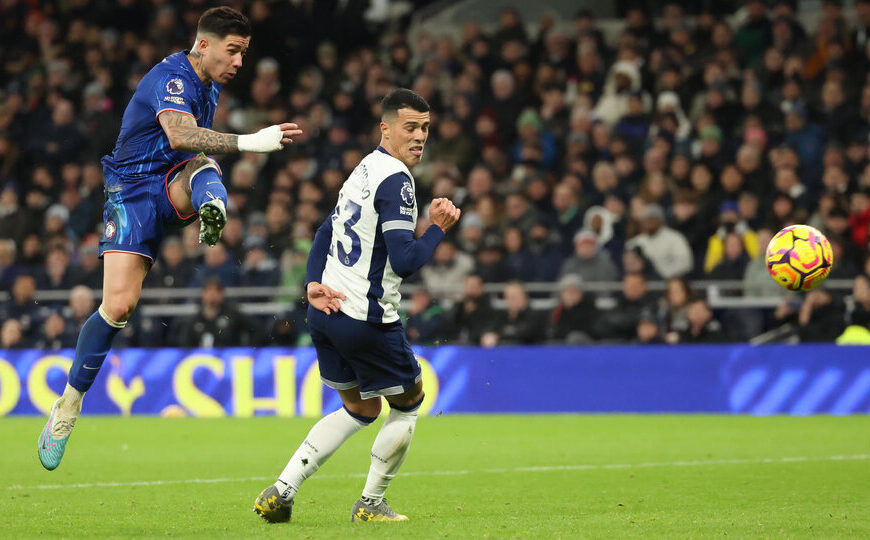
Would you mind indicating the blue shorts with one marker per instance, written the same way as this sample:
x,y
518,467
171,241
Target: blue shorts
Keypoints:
x,y
138,214
374,357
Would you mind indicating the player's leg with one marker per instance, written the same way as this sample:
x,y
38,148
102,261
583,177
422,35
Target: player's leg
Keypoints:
x,y
198,188
123,274
275,502
395,374
388,453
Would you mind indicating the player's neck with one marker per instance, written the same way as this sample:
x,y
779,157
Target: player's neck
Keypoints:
x,y
195,59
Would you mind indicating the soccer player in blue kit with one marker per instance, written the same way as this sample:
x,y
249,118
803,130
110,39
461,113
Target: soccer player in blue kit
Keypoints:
x,y
158,179
359,257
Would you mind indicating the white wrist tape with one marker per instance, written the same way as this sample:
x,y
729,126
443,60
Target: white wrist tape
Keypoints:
x,y
266,140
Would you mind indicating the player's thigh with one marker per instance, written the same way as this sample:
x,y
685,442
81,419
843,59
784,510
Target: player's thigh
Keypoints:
x,y
335,371
123,274
383,361
352,400
409,397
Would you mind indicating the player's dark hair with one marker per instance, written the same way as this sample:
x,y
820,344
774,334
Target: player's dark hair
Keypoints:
x,y
223,21
402,98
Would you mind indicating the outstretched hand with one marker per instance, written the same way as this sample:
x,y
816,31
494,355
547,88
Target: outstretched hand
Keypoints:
x,y
288,131
324,298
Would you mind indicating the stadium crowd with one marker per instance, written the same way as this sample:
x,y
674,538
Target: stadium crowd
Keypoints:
x,y
670,153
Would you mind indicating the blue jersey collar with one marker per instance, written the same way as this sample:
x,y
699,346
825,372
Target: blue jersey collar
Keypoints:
x,y
384,150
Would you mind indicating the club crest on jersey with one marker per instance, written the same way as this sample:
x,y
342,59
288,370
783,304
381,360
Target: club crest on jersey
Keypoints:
x,y
175,87
110,230
407,194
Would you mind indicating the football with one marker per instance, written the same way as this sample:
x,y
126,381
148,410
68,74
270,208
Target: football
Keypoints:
x,y
799,258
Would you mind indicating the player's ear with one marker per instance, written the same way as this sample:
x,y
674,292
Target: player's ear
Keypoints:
x,y
385,129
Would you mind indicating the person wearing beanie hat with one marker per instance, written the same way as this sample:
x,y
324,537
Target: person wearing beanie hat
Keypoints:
x,y
667,249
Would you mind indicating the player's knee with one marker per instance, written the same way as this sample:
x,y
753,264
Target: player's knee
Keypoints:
x,y
367,407
202,161
119,309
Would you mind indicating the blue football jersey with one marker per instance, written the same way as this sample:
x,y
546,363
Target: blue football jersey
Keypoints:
x,y
143,150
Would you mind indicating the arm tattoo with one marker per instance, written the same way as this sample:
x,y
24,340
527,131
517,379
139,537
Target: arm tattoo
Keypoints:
x,y
188,137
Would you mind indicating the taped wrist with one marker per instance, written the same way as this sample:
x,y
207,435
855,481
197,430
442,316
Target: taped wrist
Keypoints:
x,y
266,140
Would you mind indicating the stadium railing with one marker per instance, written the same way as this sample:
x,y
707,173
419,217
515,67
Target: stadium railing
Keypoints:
x,y
721,295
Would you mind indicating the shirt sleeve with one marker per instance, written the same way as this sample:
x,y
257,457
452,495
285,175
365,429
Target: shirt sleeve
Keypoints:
x,y
394,202
319,250
174,92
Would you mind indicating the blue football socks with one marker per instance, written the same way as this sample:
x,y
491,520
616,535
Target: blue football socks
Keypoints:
x,y
94,342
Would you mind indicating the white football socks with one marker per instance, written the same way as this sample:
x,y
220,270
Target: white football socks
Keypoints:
x,y
322,441
389,451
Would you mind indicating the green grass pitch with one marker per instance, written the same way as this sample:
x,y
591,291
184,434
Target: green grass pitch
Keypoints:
x,y
568,476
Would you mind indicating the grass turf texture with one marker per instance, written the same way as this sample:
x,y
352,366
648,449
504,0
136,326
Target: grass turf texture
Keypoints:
x,y
624,476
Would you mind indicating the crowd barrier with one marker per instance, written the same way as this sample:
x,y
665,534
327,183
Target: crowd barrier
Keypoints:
x,y
743,379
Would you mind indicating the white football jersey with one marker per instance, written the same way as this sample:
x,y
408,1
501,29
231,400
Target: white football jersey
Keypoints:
x,y
377,197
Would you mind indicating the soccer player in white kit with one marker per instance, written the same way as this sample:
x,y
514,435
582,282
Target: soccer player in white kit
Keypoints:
x,y
359,257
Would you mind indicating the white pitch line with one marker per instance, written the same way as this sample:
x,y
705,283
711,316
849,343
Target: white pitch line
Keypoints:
x,y
549,468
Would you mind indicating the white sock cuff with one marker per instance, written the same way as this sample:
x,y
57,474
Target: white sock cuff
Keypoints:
x,y
209,165
111,322
360,420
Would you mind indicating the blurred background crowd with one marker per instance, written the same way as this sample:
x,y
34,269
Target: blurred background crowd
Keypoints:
x,y
667,152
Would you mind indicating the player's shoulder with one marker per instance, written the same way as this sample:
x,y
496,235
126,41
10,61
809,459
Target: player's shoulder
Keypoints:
x,y
384,166
175,71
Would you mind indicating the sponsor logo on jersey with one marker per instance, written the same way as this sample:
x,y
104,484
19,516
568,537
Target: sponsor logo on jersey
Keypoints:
x,y
175,87
110,230
178,100
407,194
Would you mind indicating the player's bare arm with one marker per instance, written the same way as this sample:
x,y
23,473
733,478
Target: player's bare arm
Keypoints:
x,y
185,136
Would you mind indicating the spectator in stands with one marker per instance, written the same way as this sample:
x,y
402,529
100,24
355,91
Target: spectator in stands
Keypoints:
x,y
8,269
13,224
730,222
259,269
673,306
448,266
573,319
58,273
703,327
54,335
623,80
735,259
12,335
589,262
23,306
89,268
859,314
568,216
518,324
820,317
79,308
648,330
620,323
217,323
759,87
216,264
473,315
666,248
171,269
426,322
518,259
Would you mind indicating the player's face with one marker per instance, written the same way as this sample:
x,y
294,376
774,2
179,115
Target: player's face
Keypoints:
x,y
406,135
223,57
